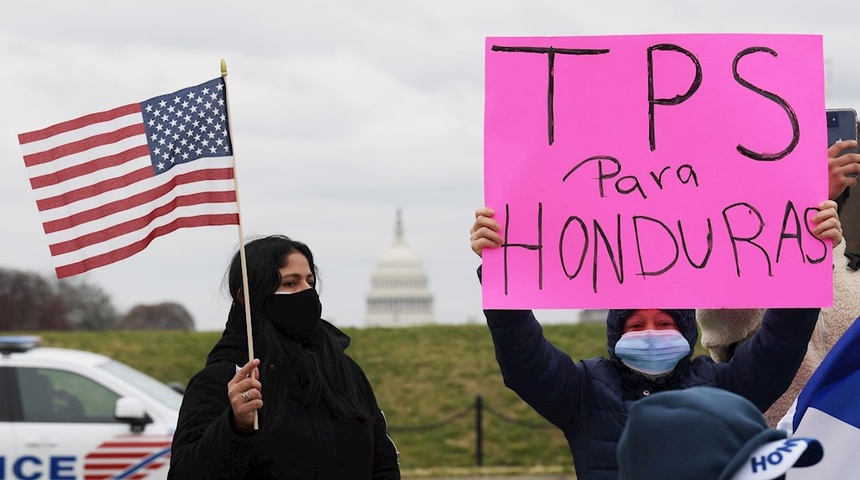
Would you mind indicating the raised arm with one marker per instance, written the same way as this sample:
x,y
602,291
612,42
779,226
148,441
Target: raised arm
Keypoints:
x,y
542,375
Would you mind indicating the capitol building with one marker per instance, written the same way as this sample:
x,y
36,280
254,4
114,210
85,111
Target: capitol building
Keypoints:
x,y
399,293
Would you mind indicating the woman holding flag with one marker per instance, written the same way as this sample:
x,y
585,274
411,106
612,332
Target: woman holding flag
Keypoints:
x,y
318,416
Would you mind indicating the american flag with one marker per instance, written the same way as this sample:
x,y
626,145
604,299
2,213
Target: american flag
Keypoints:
x,y
108,183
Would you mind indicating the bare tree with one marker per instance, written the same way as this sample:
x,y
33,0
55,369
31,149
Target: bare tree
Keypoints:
x,y
88,307
28,302
162,316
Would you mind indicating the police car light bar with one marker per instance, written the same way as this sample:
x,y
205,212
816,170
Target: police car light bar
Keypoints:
x,y
18,344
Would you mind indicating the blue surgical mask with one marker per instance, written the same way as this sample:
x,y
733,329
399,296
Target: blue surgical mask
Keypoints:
x,y
652,352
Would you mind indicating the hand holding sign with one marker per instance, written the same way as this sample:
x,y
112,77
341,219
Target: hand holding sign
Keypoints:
x,y
485,231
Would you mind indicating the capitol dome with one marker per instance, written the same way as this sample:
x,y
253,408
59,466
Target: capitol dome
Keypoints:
x,y
399,294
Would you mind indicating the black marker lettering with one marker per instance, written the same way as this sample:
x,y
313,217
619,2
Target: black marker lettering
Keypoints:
x,y
677,99
792,117
709,239
584,246
658,179
735,239
690,175
634,187
653,273
617,266
551,53
790,211
601,176
538,247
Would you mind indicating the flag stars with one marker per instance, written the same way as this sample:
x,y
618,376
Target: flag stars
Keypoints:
x,y
183,127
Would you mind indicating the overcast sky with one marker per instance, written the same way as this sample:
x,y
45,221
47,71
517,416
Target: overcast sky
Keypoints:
x,y
342,111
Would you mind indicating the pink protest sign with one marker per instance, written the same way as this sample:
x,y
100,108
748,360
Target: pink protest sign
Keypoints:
x,y
656,171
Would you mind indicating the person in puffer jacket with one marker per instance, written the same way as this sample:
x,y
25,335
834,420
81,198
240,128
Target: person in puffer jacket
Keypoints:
x,y
649,350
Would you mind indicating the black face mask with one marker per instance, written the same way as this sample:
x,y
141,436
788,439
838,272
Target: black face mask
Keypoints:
x,y
295,315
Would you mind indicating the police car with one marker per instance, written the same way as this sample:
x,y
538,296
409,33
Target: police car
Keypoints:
x,y
70,414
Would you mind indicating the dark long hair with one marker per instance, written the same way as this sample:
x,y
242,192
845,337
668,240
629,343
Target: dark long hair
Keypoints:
x,y
318,376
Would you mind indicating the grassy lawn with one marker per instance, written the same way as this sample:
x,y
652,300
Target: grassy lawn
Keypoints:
x,y
426,379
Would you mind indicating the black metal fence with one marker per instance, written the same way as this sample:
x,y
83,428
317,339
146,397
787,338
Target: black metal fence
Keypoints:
x,y
479,408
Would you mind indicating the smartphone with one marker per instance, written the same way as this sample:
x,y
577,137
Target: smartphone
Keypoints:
x,y
842,125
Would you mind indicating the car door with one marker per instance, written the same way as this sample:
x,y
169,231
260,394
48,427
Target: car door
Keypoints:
x,y
66,427
6,396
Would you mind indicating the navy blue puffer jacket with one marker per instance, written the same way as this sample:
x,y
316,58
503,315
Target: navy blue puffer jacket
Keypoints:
x,y
588,400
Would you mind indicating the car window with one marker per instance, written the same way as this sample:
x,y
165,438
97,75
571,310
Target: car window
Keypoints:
x,y
153,387
50,395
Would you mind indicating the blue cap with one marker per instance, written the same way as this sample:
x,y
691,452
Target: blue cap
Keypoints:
x,y
707,434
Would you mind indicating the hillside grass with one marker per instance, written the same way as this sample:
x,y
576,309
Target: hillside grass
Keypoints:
x,y
422,376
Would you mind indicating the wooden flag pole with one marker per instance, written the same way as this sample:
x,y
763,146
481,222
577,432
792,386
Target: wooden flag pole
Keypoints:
x,y
246,294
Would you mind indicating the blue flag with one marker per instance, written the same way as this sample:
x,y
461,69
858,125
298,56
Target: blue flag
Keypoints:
x,y
828,409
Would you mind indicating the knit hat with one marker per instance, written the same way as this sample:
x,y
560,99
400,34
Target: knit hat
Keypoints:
x,y
708,434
